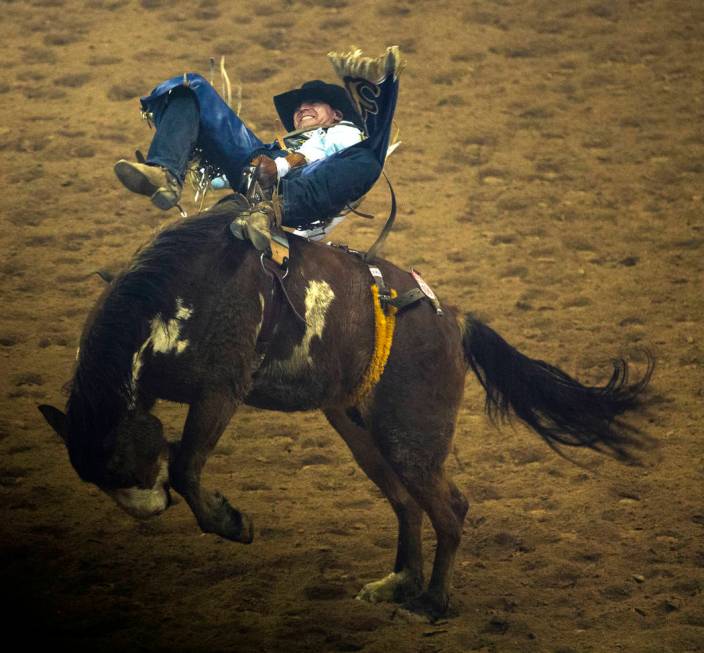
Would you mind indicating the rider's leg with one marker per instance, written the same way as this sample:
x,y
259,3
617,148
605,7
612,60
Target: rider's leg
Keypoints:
x,y
176,134
188,113
322,189
161,178
224,140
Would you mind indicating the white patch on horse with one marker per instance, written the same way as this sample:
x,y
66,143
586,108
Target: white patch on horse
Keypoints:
x,y
319,296
143,503
164,338
182,312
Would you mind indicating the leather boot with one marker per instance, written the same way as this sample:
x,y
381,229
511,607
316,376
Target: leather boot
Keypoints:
x,y
254,225
155,182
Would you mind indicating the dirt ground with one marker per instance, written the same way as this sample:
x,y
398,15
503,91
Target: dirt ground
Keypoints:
x,y
551,179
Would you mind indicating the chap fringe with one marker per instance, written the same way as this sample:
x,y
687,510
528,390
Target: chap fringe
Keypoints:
x,y
374,69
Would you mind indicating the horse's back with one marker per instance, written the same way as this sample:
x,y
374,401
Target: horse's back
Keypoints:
x,y
323,361
206,326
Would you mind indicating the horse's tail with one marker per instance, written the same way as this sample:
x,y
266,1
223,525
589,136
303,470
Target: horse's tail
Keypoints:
x,y
559,408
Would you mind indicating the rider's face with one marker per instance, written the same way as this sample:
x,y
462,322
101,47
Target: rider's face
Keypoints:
x,y
315,114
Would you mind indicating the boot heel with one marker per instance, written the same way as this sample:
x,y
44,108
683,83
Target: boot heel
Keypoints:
x,y
164,199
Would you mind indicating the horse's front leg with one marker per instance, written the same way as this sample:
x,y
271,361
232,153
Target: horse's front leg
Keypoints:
x,y
206,421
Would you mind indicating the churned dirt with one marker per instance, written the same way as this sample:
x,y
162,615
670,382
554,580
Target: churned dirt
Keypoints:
x,y
550,179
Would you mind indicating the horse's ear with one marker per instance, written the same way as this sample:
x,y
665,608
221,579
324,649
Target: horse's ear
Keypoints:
x,y
56,419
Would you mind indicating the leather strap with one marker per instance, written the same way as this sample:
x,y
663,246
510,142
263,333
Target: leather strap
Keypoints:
x,y
279,247
408,298
374,249
273,270
270,315
367,216
273,305
379,280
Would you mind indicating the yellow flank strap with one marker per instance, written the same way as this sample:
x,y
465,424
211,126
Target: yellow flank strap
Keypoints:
x,y
384,325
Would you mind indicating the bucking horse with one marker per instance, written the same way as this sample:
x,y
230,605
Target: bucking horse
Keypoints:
x,y
196,319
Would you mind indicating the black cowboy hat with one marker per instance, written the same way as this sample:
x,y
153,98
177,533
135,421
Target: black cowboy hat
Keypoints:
x,y
315,91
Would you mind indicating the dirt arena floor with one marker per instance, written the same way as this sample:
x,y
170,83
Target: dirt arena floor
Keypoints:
x,y
551,179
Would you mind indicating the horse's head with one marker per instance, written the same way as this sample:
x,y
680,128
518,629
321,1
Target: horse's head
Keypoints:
x,y
130,464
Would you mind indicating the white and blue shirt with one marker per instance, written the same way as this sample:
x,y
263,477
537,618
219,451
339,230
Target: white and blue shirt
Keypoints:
x,y
321,142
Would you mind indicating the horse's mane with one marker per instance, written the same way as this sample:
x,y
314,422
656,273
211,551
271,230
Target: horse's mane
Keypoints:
x,y
149,277
101,390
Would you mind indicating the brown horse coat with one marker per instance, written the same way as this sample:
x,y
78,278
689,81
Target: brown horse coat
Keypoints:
x,y
182,323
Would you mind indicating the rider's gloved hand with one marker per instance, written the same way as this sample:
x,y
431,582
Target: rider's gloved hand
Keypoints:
x,y
265,171
268,171
294,159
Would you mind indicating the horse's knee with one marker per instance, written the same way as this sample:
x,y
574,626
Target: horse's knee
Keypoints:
x,y
459,503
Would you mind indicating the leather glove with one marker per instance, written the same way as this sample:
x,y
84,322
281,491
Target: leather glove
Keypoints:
x,y
265,171
294,159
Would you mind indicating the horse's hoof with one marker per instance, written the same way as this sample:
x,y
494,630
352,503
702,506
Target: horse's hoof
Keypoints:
x,y
234,525
396,587
428,606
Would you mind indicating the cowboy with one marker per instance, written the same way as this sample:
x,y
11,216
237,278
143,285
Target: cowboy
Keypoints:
x,y
315,167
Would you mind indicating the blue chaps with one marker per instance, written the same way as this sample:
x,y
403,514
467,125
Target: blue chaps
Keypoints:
x,y
189,114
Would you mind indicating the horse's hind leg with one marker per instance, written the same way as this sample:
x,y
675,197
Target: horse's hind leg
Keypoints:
x,y
406,581
446,506
206,421
417,453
